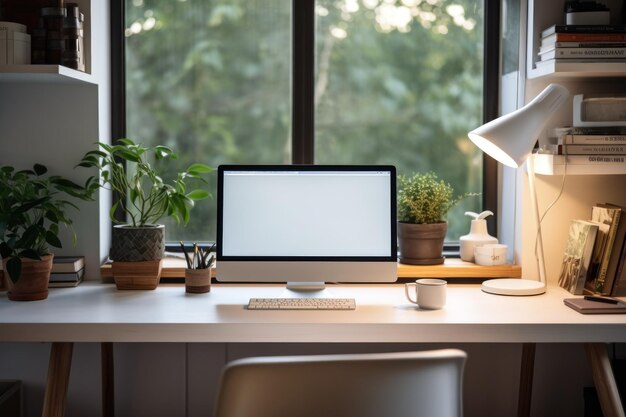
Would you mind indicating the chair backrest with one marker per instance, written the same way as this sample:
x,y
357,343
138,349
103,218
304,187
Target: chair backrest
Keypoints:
x,y
418,384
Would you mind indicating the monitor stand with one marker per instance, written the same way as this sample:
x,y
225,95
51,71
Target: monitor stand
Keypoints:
x,y
306,285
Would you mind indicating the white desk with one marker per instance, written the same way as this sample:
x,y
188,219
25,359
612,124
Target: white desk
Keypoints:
x,y
100,313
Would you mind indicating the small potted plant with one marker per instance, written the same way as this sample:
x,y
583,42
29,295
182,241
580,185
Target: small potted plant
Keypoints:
x,y
32,206
144,197
423,203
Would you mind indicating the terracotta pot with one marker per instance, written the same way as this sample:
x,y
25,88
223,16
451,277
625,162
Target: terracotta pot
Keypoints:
x,y
32,284
197,280
421,244
135,244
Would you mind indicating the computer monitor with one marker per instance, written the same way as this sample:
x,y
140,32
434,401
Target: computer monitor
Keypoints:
x,y
305,225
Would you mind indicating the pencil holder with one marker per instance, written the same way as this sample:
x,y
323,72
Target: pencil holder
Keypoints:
x,y
197,280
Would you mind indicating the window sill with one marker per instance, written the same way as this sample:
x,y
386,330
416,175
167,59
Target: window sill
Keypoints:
x,y
452,268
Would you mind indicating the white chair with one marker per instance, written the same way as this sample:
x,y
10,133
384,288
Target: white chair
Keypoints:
x,y
418,384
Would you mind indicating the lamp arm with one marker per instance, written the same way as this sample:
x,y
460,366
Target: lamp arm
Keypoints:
x,y
539,255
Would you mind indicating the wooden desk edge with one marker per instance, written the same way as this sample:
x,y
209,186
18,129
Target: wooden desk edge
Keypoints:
x,y
452,268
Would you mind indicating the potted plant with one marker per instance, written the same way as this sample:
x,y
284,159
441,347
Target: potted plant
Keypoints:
x,y
423,203
32,206
143,197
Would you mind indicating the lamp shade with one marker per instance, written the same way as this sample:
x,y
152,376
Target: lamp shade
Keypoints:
x,y
510,139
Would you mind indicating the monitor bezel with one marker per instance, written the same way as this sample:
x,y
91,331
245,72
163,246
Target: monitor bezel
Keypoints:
x,y
393,250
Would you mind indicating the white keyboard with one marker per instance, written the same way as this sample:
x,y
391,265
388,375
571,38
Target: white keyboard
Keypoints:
x,y
301,304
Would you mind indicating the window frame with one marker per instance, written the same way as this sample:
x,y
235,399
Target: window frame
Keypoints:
x,y
303,112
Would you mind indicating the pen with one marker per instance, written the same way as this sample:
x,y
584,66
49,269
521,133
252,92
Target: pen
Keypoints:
x,y
601,299
186,255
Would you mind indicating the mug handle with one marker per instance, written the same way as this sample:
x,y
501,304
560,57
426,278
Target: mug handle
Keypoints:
x,y
406,291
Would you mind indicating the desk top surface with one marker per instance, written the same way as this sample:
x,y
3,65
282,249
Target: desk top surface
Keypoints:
x,y
96,312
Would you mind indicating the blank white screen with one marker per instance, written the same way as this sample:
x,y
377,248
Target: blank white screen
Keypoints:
x,y
306,213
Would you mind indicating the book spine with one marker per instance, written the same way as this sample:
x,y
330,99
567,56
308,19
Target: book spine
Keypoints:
x,y
589,37
619,284
614,259
593,140
549,46
606,254
603,29
586,53
568,149
590,160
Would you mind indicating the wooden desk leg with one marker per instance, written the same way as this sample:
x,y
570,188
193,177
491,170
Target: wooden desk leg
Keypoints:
x,y
58,379
604,380
108,386
526,380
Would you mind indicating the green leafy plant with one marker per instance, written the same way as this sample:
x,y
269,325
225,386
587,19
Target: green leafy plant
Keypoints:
x,y
143,195
424,199
32,206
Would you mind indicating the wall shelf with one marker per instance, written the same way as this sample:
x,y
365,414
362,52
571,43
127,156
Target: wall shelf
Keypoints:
x,y
543,14
579,69
452,268
42,73
547,164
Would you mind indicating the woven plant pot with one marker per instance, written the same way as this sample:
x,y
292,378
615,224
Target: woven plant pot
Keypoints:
x,y
135,244
32,284
421,244
136,253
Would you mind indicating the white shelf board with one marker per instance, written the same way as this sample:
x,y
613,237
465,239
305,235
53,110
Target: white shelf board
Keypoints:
x,y
42,73
579,69
546,164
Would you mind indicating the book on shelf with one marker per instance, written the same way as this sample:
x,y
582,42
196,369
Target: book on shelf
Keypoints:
x,y
587,29
64,284
617,253
545,47
67,263
559,61
577,257
592,140
609,216
613,132
619,282
570,149
67,276
582,37
617,53
589,160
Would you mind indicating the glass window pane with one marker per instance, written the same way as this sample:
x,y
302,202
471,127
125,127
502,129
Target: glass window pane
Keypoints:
x,y
401,82
210,79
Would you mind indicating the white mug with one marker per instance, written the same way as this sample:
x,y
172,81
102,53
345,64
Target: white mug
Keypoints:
x,y
430,293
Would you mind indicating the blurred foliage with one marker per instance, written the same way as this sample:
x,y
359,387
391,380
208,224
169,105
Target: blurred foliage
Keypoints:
x,y
397,82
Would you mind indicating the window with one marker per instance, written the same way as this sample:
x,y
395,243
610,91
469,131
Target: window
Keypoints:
x,y
329,81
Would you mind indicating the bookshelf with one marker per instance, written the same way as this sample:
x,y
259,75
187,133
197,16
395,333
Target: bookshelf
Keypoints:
x,y
53,114
43,73
546,164
542,14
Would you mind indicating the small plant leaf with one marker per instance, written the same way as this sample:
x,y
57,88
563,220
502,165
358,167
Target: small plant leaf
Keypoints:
x,y
198,194
52,239
40,169
14,268
200,169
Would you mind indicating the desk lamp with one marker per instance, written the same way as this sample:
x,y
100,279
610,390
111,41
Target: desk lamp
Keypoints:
x,y
510,140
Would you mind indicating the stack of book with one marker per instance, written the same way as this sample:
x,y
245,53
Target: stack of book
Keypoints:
x,y
67,271
603,146
582,43
595,253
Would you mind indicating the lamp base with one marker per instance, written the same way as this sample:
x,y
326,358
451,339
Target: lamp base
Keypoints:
x,y
513,286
